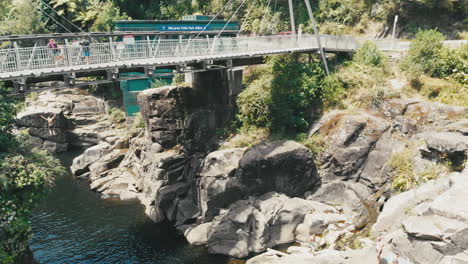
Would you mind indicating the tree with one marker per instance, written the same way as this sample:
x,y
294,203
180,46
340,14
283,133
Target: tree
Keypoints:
x,y
425,51
23,17
100,16
25,175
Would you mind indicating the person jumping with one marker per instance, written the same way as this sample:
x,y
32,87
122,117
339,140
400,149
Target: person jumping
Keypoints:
x,y
50,122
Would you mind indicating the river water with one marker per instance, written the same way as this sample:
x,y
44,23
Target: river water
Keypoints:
x,y
74,225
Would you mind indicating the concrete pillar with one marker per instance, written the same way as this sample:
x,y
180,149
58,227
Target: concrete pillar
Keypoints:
x,y
217,90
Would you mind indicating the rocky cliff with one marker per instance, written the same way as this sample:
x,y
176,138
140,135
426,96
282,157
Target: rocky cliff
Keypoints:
x,y
242,200
80,120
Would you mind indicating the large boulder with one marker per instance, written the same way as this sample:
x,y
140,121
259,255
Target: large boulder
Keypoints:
x,y
198,235
282,166
107,162
31,117
255,224
218,187
164,111
352,196
81,163
352,136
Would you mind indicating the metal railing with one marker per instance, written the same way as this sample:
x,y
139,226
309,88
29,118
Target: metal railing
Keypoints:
x,y
27,59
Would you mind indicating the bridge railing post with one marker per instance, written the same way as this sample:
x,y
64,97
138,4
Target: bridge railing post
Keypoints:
x,y
112,50
17,56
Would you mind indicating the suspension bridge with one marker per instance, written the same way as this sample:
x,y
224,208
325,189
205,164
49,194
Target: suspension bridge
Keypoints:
x,y
67,62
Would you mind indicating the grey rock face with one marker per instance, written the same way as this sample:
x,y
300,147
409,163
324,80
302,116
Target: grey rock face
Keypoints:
x,y
351,195
81,163
165,110
55,147
107,162
282,166
253,225
352,137
218,187
73,111
198,235
31,117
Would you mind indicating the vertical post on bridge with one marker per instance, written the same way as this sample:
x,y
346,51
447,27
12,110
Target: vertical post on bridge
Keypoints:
x,y
112,50
291,15
17,56
150,48
314,26
67,52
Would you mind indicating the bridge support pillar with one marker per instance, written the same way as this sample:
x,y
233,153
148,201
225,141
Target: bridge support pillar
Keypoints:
x,y
112,74
20,85
218,90
70,79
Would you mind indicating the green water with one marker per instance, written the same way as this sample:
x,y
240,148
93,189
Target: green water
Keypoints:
x,y
74,225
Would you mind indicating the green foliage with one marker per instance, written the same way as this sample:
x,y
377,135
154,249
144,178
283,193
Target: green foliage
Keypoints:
x,y
254,103
425,51
21,17
156,83
428,56
25,175
116,115
370,55
100,16
362,79
246,136
405,176
7,117
333,91
444,91
316,143
402,165
281,95
342,11
179,79
296,86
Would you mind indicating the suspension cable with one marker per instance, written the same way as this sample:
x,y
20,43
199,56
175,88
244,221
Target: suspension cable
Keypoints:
x,y
266,12
229,21
45,13
213,18
73,24
247,15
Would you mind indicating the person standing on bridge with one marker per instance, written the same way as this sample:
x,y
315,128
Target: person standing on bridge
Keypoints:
x,y
50,122
53,46
86,50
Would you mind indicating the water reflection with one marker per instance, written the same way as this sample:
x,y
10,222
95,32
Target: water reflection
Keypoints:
x,y
74,225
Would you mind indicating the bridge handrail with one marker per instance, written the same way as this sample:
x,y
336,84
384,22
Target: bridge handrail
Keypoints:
x,y
23,59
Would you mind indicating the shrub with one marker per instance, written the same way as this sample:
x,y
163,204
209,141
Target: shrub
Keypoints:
x,y
402,165
333,91
295,88
425,50
247,136
32,96
179,79
26,173
316,143
156,83
370,55
116,115
405,176
254,103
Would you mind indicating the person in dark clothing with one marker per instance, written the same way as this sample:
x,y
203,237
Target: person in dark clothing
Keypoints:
x,y
86,50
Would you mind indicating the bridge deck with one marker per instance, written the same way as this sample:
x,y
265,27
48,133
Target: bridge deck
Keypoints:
x,y
42,61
